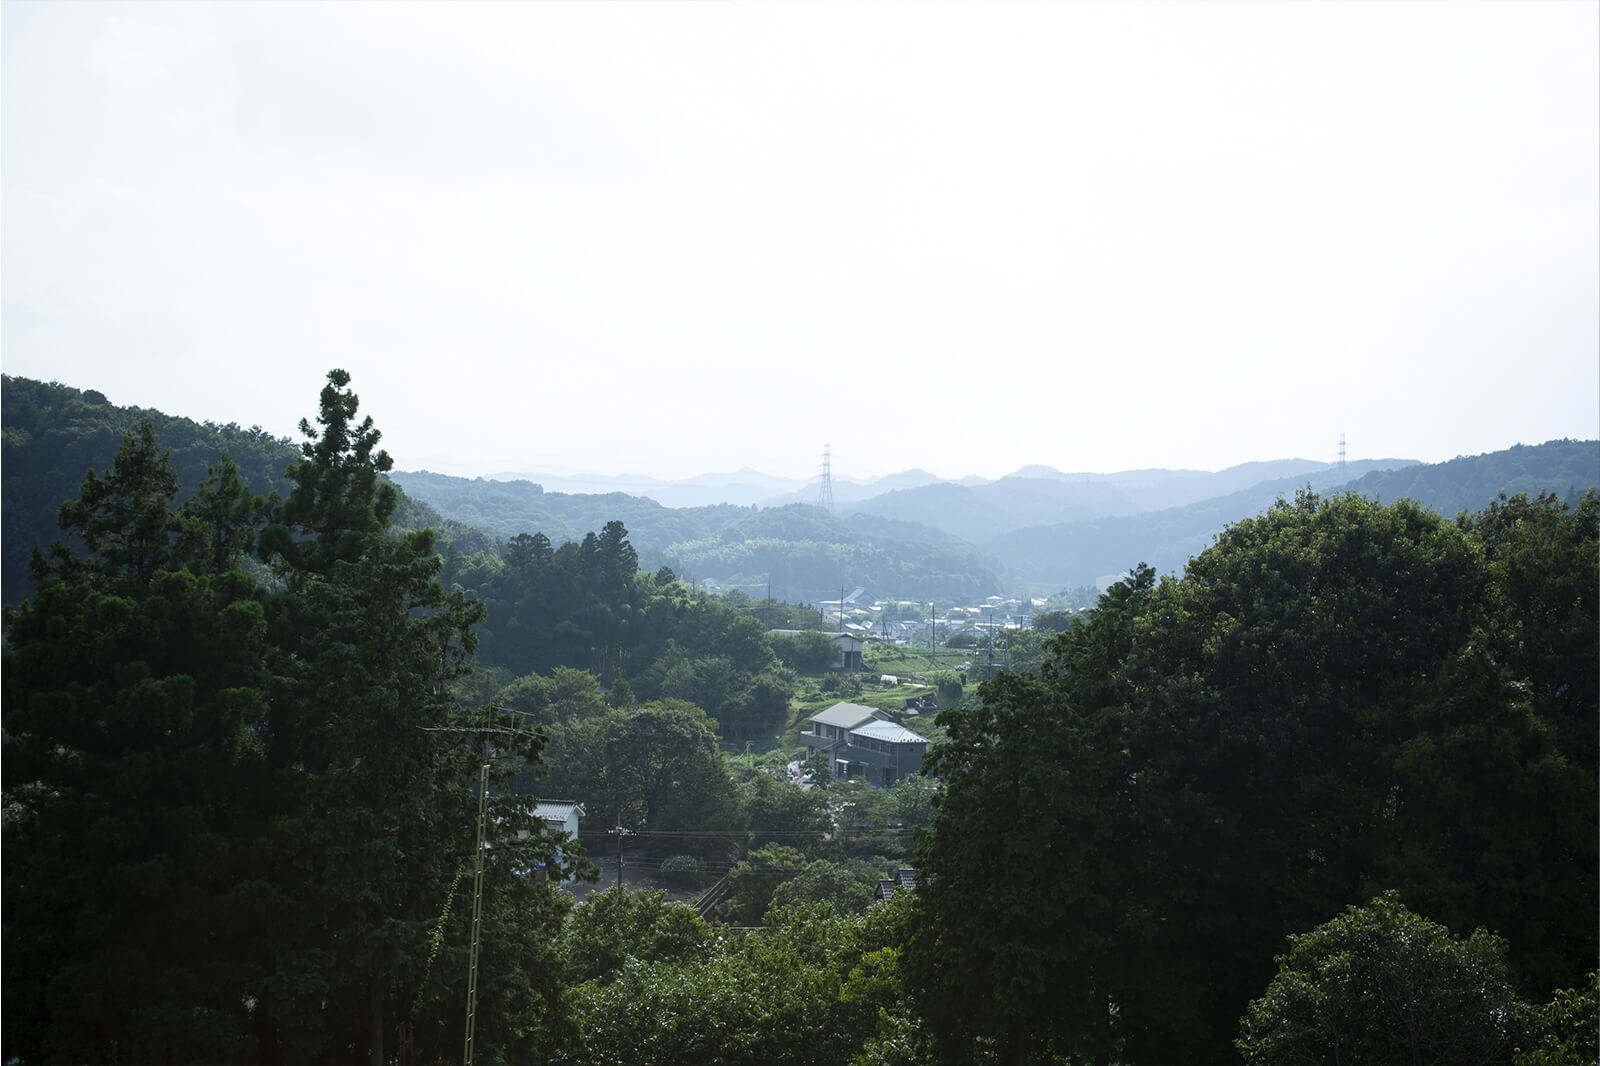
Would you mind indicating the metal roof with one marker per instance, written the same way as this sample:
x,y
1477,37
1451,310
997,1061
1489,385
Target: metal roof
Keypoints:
x,y
890,732
845,715
557,810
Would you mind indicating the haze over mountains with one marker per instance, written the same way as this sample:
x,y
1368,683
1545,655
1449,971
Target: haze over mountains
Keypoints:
x,y
911,535
1039,528
1134,490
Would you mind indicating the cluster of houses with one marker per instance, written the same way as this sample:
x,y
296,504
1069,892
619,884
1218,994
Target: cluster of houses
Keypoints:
x,y
995,615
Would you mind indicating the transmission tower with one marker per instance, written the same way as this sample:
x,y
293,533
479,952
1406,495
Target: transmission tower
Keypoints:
x,y
1341,453
825,496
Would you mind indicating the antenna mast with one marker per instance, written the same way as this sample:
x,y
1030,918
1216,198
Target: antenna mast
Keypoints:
x,y
825,497
1341,453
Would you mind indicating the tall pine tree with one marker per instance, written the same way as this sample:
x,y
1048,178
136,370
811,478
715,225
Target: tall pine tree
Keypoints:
x,y
372,756
134,771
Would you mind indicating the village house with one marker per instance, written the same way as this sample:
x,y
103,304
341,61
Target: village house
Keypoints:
x,y
861,743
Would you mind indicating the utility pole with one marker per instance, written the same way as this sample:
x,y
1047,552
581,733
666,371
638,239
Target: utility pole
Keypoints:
x,y
620,832
989,673
477,881
477,915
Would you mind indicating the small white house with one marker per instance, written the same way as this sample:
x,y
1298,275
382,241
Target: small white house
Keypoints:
x,y
559,815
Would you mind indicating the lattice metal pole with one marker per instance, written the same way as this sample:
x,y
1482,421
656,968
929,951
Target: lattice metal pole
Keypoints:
x,y
477,916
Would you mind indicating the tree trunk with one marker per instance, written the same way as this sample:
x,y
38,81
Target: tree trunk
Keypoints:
x,y
375,1021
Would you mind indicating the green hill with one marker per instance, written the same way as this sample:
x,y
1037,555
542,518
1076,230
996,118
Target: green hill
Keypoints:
x,y
51,435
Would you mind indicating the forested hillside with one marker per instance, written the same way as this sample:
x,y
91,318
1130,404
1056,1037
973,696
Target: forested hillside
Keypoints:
x,y
235,807
52,434
1567,468
243,743
804,551
269,770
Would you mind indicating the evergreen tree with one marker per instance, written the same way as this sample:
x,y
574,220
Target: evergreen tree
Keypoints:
x,y
134,770
237,820
374,762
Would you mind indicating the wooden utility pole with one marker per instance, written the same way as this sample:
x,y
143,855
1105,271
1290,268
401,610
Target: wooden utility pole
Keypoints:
x,y
477,916
619,831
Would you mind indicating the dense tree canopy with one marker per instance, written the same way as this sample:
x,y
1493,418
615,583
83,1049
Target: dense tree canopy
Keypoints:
x,y
1337,698
193,757
229,713
1382,984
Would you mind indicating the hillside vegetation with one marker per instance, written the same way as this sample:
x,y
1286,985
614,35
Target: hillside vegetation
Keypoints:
x,y
270,764
52,434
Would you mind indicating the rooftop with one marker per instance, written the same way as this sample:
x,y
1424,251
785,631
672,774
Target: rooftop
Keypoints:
x,y
889,732
845,715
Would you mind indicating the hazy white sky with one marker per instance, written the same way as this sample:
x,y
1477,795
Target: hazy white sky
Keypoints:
x,y
671,238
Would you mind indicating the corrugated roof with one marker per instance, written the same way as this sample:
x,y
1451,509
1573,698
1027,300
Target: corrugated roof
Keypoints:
x,y
845,715
889,732
556,810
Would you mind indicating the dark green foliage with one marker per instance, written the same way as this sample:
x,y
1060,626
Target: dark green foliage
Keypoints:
x,y
1473,482
54,433
1054,621
809,988
949,686
1026,923
134,781
567,695
914,800
1336,699
775,810
1563,1031
585,606
653,766
757,876
235,791
617,925
810,652
828,883
1381,984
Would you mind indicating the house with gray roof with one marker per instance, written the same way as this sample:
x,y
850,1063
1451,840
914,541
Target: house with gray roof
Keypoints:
x,y
861,743
903,878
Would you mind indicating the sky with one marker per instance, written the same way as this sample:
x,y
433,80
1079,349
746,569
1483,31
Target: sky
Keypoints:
x,y
676,238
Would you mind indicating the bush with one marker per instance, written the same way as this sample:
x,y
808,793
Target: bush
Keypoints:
x,y
949,687
842,685
682,869
807,652
1381,984
1563,1030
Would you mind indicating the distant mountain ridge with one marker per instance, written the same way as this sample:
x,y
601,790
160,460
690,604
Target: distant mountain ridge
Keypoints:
x,y
911,535
1047,530
742,488
1132,490
1074,553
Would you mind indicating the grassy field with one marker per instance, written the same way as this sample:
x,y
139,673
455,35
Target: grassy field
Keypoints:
x,y
905,661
